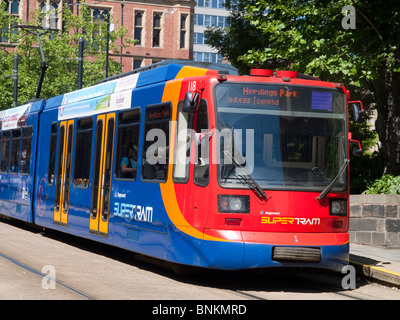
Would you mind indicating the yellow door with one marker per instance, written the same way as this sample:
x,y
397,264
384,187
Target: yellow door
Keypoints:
x,y
102,174
66,137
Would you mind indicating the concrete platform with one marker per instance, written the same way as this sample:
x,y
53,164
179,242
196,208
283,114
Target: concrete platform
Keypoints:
x,y
378,264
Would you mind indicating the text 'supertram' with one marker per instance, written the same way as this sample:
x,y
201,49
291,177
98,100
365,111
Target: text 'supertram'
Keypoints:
x,y
189,166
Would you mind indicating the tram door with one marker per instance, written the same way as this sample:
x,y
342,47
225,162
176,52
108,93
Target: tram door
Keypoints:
x,y
102,174
65,144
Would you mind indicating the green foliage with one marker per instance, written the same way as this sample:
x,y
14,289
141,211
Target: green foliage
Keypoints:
x,y
235,40
364,170
61,53
307,36
386,184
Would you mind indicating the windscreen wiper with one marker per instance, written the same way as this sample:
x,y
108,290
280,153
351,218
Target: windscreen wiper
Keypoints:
x,y
330,186
248,179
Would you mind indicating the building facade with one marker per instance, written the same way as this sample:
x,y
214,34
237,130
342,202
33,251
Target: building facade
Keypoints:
x,y
208,13
163,28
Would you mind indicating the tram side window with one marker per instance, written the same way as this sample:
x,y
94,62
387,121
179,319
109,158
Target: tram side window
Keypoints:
x,y
202,164
183,141
127,145
52,153
15,150
155,155
83,151
5,151
26,150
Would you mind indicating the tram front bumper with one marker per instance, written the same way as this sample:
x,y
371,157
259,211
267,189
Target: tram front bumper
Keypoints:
x,y
259,250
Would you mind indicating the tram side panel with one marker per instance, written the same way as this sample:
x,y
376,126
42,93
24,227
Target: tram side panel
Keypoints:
x,y
45,168
64,178
19,136
136,215
143,214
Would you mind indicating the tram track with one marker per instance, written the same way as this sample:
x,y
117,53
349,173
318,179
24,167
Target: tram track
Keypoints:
x,y
308,285
89,271
32,270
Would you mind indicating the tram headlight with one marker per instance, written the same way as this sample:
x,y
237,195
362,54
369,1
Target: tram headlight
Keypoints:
x,y
338,207
233,203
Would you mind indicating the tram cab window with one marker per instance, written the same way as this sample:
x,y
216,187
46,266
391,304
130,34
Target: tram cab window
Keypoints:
x,y
127,144
83,151
52,153
155,155
15,150
202,164
5,151
183,141
26,149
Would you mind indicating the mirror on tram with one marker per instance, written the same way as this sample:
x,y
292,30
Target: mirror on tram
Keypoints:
x,y
356,148
190,102
358,110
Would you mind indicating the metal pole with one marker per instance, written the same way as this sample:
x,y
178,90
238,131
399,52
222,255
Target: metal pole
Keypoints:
x,y
80,62
108,40
122,23
43,66
15,77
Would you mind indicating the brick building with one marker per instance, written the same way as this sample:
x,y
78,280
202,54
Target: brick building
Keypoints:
x,y
163,28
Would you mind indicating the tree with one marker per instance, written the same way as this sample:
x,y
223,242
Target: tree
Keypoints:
x,y
313,37
235,40
61,52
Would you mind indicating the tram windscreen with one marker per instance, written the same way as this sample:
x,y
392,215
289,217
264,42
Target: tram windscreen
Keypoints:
x,y
286,137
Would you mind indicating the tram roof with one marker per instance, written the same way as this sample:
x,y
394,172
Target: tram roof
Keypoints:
x,y
116,93
132,81
119,83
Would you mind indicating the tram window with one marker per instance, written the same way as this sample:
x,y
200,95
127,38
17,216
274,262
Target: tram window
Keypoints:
x,y
83,151
15,150
127,145
26,150
5,151
155,155
52,153
183,141
202,165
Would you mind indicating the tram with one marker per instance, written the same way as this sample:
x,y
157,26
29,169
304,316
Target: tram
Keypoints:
x,y
188,165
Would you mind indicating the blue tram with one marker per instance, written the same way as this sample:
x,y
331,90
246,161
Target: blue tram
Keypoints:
x,y
103,163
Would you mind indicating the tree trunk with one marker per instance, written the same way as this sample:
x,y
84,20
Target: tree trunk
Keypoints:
x,y
387,94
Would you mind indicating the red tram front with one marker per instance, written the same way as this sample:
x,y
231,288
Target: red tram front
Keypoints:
x,y
260,173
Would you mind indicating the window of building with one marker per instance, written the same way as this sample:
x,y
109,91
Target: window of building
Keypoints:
x,y
12,8
207,57
216,4
157,30
183,32
50,15
138,28
83,152
210,20
99,31
155,157
127,144
137,63
198,38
